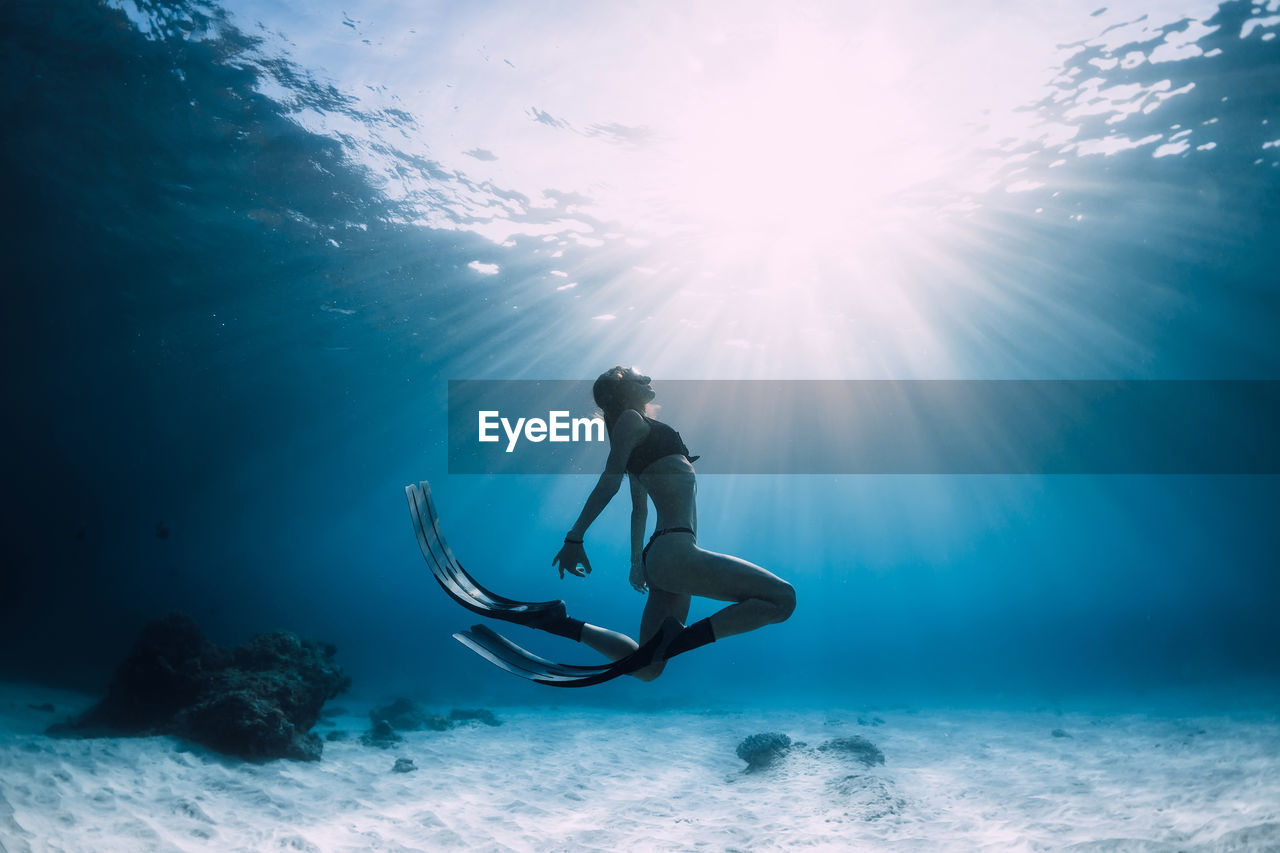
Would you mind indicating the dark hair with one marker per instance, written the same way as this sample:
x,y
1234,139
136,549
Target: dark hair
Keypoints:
x,y
605,392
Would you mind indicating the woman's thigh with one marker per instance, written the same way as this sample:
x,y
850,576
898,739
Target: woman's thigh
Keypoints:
x,y
697,571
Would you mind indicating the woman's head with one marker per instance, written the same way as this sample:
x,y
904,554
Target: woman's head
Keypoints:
x,y
620,388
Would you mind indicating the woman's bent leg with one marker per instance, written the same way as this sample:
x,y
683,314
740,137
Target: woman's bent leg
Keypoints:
x,y
760,597
615,646
611,644
661,604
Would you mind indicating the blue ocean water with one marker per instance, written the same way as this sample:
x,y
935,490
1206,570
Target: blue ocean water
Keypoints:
x,y
248,245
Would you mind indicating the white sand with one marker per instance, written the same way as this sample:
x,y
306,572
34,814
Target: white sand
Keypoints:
x,y
573,779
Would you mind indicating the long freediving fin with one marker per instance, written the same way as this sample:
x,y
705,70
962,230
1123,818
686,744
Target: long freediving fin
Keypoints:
x,y
455,580
505,654
547,615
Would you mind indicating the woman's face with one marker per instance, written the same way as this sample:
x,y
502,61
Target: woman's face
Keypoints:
x,y
635,387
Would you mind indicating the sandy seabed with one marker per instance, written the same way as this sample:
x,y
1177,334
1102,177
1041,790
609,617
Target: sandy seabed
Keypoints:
x,y
586,779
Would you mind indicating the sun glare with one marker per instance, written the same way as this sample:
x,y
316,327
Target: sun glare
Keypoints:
x,y
808,149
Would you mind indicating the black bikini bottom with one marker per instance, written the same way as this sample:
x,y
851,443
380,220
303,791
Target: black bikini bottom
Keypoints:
x,y
644,555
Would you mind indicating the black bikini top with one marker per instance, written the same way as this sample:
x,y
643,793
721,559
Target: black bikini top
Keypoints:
x,y
661,441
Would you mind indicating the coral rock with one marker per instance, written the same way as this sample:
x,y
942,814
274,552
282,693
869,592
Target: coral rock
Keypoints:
x,y
257,702
858,748
479,715
381,735
763,750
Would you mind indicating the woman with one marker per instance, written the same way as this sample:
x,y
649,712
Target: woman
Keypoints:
x,y
671,567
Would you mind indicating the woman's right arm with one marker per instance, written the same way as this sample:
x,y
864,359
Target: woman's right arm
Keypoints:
x,y
627,433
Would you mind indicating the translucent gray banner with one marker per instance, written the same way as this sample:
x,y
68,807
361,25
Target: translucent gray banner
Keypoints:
x,y
886,426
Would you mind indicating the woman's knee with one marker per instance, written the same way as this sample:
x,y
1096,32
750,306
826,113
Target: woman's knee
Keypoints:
x,y
650,672
785,601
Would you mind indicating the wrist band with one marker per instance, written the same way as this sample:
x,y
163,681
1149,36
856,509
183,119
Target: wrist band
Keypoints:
x,y
569,541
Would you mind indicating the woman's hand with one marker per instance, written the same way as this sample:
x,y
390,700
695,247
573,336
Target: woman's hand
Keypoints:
x,y
570,557
638,582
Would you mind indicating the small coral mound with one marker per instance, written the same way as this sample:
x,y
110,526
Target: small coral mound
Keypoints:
x,y
479,715
382,735
763,750
857,748
405,715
